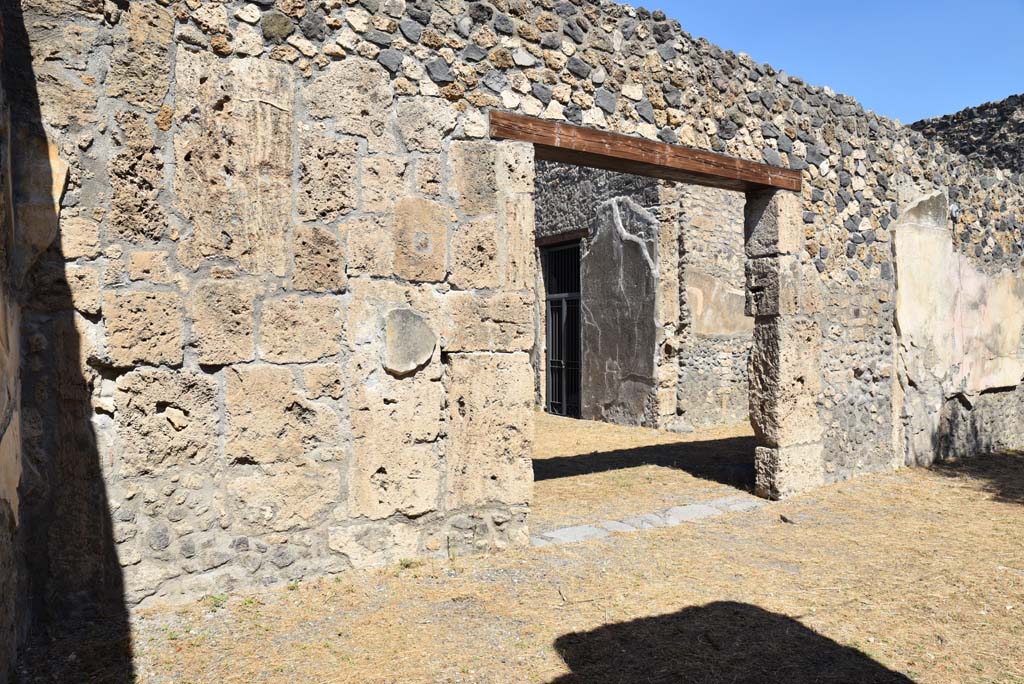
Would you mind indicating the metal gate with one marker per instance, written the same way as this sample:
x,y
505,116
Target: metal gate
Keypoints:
x,y
561,266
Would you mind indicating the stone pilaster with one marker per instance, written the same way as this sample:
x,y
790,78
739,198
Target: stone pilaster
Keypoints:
x,y
783,295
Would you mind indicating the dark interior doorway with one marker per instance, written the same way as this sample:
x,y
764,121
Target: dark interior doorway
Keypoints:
x,y
561,267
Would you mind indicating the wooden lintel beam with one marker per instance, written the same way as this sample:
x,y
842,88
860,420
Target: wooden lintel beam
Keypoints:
x,y
556,141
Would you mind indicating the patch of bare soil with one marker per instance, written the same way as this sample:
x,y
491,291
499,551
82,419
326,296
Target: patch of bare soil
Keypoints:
x,y
587,472
914,576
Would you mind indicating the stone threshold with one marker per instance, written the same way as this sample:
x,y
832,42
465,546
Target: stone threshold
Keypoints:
x,y
668,517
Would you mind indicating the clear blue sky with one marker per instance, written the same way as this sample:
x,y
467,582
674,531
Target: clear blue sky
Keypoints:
x,y
906,59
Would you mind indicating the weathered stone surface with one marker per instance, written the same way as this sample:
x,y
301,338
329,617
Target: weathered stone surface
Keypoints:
x,y
491,433
473,179
235,213
409,341
479,255
783,472
384,182
79,238
299,328
319,261
136,175
268,420
324,381
498,321
327,184
143,327
785,381
140,65
283,497
782,285
356,94
373,544
371,246
149,265
423,123
164,421
389,477
716,308
222,313
421,239
773,223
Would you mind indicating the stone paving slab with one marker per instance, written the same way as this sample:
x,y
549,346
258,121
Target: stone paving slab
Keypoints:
x,y
669,517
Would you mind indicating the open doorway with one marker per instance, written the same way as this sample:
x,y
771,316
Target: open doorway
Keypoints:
x,y
642,334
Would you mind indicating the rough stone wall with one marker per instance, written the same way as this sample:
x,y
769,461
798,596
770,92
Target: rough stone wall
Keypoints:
x,y
715,334
252,190
991,134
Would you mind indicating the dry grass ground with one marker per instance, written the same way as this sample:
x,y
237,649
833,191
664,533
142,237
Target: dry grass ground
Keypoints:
x,y
587,472
915,576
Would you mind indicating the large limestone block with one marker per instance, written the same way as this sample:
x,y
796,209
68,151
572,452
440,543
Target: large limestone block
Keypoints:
x,y
299,328
785,380
143,327
473,180
79,238
716,308
494,321
222,314
328,186
356,94
490,436
319,260
269,421
516,226
234,161
783,472
409,341
384,181
166,420
140,65
137,178
395,467
479,254
424,123
421,239
773,223
374,544
283,497
370,247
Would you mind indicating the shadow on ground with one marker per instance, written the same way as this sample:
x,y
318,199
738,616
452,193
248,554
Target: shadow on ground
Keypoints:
x,y
724,642
729,461
1001,474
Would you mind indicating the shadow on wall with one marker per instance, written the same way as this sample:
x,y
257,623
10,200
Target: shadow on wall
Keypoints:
x,y
724,642
70,593
729,461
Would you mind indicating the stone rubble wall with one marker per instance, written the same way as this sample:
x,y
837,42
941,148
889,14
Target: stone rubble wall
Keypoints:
x,y
991,134
253,189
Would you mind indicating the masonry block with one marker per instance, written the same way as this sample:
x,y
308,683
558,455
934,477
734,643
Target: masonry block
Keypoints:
x,y
773,223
